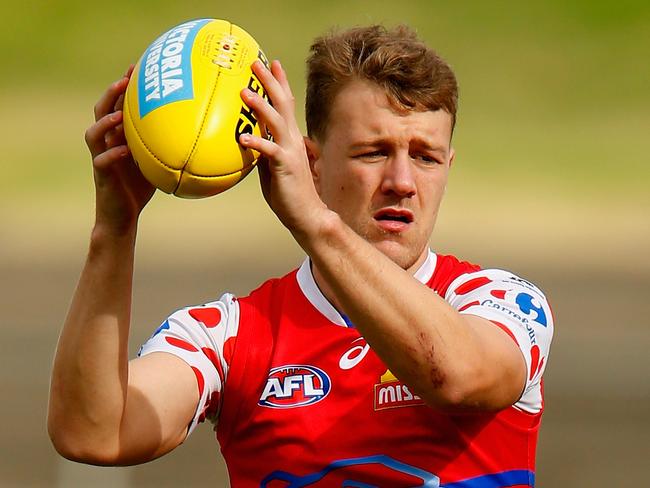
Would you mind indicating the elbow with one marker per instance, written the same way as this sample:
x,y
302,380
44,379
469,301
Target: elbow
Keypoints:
x,y
81,452
449,399
78,446
463,393
453,400
445,391
71,450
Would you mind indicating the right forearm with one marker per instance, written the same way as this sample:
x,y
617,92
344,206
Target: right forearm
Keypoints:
x,y
90,373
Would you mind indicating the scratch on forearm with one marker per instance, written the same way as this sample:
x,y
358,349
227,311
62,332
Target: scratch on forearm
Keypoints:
x,y
436,375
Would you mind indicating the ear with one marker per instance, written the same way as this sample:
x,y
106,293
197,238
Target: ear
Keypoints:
x,y
452,156
313,154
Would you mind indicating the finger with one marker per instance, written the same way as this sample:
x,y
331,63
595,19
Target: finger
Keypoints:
x,y
119,103
115,136
263,146
95,136
267,116
278,72
281,99
108,100
109,158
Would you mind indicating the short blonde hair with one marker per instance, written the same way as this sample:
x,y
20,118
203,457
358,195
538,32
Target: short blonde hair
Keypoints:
x,y
413,75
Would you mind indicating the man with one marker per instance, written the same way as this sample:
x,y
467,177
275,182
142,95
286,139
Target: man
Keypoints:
x,y
377,363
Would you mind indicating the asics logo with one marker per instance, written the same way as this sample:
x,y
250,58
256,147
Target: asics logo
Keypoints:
x,y
354,355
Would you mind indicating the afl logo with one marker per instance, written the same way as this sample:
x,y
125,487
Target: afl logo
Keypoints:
x,y
294,386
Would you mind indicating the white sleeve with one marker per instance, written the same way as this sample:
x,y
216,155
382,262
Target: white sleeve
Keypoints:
x,y
520,309
204,337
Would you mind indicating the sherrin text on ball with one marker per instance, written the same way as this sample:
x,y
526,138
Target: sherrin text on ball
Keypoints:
x,y
183,113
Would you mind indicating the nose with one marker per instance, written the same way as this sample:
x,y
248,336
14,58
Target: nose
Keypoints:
x,y
398,176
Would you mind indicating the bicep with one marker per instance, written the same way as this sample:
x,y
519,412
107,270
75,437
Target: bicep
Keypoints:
x,y
503,372
161,401
177,380
514,323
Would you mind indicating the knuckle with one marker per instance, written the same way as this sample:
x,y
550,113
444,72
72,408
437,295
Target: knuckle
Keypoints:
x,y
109,140
89,135
253,100
98,161
288,102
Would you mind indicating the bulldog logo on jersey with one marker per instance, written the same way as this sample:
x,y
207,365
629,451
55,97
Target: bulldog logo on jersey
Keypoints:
x,y
362,472
294,386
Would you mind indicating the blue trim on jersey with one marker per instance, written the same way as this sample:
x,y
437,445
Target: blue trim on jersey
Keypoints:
x,y
163,326
496,480
347,321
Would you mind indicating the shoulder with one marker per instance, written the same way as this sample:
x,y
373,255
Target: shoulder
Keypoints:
x,y
453,278
269,290
500,290
520,309
447,269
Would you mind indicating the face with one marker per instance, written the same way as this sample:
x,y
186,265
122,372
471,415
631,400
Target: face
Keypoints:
x,y
383,171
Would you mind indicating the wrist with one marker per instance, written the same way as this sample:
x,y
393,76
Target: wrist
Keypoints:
x,y
321,229
104,236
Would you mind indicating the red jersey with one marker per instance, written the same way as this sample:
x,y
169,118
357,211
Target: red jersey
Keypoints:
x,y
300,399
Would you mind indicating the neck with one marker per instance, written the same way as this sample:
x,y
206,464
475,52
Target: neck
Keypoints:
x,y
328,291
325,289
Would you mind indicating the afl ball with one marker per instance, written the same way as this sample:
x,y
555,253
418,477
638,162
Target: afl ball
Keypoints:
x,y
183,113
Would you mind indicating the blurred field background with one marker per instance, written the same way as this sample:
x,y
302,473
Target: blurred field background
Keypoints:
x,y
551,180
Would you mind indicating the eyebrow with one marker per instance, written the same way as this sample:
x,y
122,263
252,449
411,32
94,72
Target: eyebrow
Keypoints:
x,y
424,144
366,143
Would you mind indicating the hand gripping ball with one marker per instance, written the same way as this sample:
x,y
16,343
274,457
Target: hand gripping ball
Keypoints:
x,y
183,113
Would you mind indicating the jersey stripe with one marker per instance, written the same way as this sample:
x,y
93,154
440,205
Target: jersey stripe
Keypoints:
x,y
515,477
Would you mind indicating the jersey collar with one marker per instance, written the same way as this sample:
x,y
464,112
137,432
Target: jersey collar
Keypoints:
x,y
313,294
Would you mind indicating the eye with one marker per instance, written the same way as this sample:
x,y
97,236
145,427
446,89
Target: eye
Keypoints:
x,y
371,155
426,159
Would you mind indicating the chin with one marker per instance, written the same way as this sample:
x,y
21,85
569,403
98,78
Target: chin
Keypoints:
x,y
399,248
404,257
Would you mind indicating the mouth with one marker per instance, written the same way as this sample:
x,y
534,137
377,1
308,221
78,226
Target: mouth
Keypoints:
x,y
394,220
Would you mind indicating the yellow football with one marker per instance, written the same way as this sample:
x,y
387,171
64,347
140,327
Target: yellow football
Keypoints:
x,y
183,113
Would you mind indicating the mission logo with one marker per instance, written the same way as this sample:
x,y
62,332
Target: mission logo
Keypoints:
x,y
392,393
294,385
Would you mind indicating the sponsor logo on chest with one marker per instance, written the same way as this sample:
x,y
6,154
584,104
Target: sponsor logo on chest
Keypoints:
x,y
389,392
392,393
294,385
